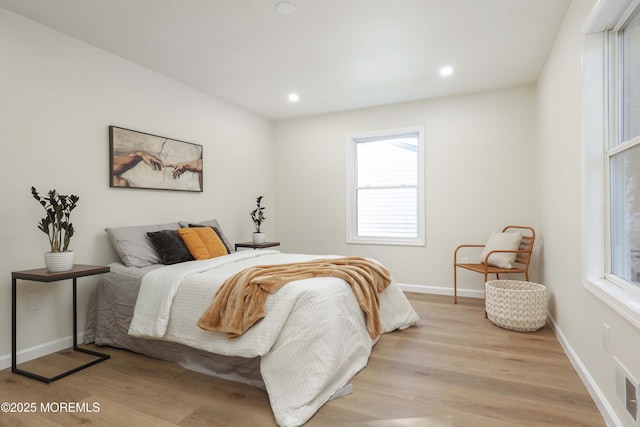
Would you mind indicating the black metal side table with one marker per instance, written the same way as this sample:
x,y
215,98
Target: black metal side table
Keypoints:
x,y
256,245
43,275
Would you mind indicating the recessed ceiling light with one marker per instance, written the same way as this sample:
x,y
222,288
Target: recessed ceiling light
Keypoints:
x,y
293,97
285,8
446,71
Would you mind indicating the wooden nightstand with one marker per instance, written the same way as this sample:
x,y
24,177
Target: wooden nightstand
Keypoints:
x,y
256,245
43,275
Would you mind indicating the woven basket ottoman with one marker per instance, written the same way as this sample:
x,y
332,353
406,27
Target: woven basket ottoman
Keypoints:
x,y
516,305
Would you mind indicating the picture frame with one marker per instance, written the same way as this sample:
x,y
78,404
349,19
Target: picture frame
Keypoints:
x,y
146,161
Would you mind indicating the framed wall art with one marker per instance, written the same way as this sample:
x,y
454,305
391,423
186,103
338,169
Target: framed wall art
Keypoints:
x,y
142,160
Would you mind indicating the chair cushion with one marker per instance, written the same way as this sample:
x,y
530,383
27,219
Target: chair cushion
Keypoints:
x,y
501,241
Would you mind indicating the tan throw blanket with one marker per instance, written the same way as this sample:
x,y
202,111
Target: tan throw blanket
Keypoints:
x,y
239,303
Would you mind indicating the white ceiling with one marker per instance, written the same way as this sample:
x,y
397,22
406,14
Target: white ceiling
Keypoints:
x,y
336,54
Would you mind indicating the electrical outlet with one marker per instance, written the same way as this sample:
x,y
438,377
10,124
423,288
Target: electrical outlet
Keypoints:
x,y
606,338
465,260
34,302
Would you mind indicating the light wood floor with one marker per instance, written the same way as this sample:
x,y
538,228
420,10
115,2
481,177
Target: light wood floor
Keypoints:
x,y
454,369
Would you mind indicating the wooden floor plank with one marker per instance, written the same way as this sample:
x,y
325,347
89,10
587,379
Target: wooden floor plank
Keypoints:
x,y
455,368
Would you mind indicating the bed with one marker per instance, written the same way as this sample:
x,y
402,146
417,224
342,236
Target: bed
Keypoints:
x,y
303,353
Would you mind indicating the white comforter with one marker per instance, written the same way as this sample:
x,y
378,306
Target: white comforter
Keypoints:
x,y
312,341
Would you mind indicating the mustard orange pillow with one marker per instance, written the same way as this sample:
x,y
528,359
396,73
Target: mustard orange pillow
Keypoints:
x,y
212,241
203,243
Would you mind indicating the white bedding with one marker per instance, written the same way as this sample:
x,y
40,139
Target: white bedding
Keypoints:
x,y
312,341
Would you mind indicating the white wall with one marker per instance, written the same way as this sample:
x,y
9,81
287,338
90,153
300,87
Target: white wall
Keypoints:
x,y
491,159
578,314
58,97
479,178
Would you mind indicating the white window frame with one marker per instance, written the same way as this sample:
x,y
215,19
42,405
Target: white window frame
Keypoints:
x,y
620,295
351,141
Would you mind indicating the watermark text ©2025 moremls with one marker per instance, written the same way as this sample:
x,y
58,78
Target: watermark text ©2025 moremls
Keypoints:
x,y
49,407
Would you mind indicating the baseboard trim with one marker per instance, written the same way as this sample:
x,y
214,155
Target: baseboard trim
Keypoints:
x,y
440,290
606,410
40,350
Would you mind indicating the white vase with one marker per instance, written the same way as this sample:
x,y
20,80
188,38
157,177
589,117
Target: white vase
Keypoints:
x,y
59,261
259,237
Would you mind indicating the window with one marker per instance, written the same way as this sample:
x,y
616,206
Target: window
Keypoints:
x,y
385,171
612,157
623,151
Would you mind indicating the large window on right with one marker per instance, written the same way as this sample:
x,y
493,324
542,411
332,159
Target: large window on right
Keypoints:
x,y
623,151
611,156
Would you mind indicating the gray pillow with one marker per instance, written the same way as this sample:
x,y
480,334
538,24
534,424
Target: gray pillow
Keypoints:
x,y
134,246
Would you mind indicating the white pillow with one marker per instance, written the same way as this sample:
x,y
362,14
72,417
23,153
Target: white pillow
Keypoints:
x,y
501,241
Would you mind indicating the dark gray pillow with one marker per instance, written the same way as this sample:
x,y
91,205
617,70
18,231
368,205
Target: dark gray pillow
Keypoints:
x,y
170,246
